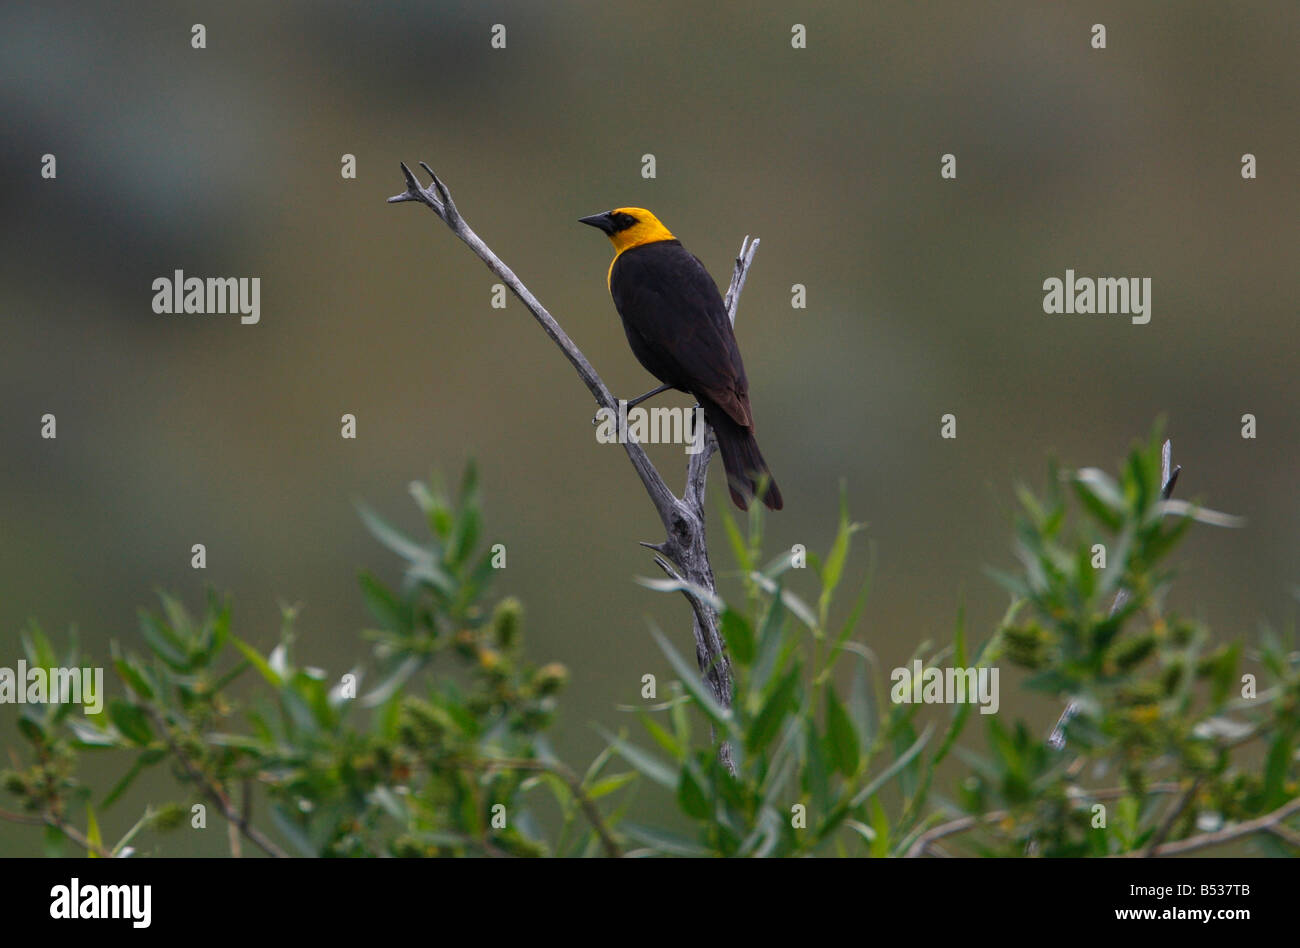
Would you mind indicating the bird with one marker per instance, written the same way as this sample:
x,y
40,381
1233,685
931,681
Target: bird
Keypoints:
x,y
677,326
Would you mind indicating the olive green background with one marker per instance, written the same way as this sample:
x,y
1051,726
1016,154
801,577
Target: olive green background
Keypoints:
x,y
924,297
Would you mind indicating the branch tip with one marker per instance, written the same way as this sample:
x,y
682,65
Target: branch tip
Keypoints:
x,y
448,205
412,183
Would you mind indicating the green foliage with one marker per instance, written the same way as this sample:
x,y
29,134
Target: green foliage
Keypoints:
x,y
444,750
820,769
1165,735
413,765
48,783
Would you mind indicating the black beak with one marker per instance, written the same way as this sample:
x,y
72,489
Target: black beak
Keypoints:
x,y
603,222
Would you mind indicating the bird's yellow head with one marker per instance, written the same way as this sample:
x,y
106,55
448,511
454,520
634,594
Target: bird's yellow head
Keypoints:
x,y
628,227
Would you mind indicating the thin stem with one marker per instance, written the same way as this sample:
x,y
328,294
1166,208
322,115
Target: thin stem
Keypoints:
x,y
49,819
588,805
922,843
214,792
1269,823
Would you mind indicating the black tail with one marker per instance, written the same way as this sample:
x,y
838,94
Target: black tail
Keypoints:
x,y
742,459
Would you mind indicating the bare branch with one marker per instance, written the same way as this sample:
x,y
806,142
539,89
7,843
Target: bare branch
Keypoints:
x,y
214,792
438,199
1167,824
589,808
683,518
741,270
1285,833
1268,823
925,841
50,819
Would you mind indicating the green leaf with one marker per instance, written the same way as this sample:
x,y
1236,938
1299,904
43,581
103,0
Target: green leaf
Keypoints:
x,y
40,653
430,573
739,548
1032,507
92,833
863,830
392,682
661,736
880,824
178,618
1100,496
163,643
469,493
775,709
133,678
766,834
816,774
466,534
681,720
1276,766
843,739
219,613
241,742
692,682
644,763
1011,582
391,611
547,755
315,694
797,607
255,658
1223,674
690,795
390,537
87,734
862,707
131,721
610,785
52,842
888,773
780,565
739,635
680,585
663,841
285,822
769,644
1211,518
834,567
559,788
300,709
860,603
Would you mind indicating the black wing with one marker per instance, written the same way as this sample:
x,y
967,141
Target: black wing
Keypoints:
x,y
677,324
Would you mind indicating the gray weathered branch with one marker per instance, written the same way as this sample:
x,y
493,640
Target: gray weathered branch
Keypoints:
x,y
684,552
1272,823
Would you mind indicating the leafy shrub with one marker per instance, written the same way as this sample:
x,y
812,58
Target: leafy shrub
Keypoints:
x,y
1168,747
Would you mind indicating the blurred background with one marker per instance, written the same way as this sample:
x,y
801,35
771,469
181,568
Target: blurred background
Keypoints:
x,y
924,296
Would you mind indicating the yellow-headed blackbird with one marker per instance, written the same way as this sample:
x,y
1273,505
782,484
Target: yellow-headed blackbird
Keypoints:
x,y
678,328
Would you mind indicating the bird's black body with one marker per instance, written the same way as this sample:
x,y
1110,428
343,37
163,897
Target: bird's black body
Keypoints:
x,y
677,326
675,319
